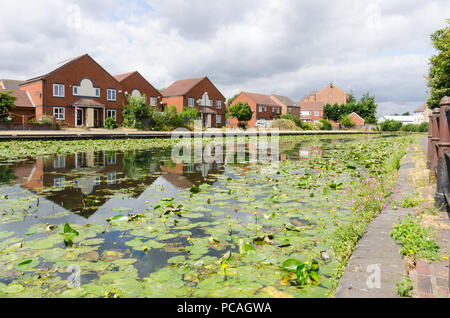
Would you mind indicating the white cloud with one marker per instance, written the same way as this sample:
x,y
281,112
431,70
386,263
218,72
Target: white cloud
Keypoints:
x,y
287,47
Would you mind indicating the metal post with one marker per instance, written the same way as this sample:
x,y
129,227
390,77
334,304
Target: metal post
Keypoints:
x,y
443,146
434,141
430,126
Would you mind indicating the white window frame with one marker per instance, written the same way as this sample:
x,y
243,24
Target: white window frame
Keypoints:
x,y
110,112
153,101
59,162
59,113
260,109
191,102
305,113
73,90
316,114
58,90
218,119
97,91
111,94
218,104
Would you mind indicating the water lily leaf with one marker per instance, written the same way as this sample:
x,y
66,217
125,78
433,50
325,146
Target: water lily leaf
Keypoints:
x,y
4,234
291,264
176,260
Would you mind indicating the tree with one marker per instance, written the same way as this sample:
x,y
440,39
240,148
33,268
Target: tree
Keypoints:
x,y
135,111
231,100
365,107
6,103
347,122
189,113
326,125
242,112
439,75
294,118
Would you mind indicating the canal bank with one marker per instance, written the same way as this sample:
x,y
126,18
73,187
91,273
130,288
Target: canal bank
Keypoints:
x,y
72,134
376,265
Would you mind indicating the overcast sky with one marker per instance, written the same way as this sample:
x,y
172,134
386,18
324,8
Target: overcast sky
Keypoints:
x,y
287,47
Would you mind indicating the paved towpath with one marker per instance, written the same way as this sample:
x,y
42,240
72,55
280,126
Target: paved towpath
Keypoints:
x,y
67,134
377,251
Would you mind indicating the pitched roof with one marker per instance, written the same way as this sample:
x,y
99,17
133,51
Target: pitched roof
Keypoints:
x,y
357,115
181,87
285,100
121,77
22,98
421,109
261,99
9,84
313,106
63,64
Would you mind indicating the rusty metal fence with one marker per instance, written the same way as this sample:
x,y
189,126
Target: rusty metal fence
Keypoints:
x,y
438,160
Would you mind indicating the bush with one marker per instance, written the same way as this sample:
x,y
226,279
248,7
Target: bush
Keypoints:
x,y
326,125
391,125
189,113
284,124
410,128
44,120
242,112
346,122
110,123
295,119
423,127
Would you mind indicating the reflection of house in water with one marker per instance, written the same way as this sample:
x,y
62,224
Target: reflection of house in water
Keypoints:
x,y
84,182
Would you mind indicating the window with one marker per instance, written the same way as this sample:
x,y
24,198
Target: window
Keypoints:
x,y
75,90
58,90
305,113
316,114
191,102
289,110
153,101
219,104
111,177
273,109
260,109
331,95
59,162
210,103
97,92
111,113
265,108
218,119
58,113
58,182
111,94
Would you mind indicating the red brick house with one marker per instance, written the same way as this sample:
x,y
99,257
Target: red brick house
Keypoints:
x,y
262,106
356,119
288,106
201,94
311,111
136,85
330,94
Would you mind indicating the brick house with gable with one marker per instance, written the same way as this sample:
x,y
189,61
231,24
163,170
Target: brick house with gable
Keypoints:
x,y
80,92
311,111
199,93
24,109
330,94
134,84
262,106
288,106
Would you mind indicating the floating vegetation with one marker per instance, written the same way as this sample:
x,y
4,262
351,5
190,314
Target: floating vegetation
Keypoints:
x,y
136,224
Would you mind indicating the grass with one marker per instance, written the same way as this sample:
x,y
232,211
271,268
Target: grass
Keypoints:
x,y
411,200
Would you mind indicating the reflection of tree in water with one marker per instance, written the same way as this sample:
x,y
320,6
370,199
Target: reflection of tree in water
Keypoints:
x,y
6,175
136,163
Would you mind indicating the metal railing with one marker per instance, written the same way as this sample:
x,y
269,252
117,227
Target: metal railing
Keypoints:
x,y
438,160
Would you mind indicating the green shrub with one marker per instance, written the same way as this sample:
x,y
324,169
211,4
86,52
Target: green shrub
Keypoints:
x,y
189,113
346,122
242,112
405,287
326,125
423,127
391,125
110,123
295,119
284,124
410,128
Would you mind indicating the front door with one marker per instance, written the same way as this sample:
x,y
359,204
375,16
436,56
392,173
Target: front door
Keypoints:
x,y
96,118
208,119
79,117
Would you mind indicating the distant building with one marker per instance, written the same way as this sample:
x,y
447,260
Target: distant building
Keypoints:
x,y
9,84
405,120
421,114
288,106
262,106
331,94
356,119
24,109
311,111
